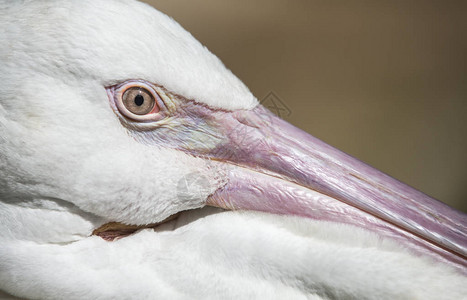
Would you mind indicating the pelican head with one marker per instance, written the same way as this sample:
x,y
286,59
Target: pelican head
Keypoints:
x,y
81,144
112,112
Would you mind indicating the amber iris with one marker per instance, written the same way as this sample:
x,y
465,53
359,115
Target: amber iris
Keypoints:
x,y
138,100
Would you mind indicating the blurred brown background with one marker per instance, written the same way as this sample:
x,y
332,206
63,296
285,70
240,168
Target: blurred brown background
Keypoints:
x,y
385,81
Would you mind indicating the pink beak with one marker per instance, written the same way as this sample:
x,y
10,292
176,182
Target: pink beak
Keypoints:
x,y
278,168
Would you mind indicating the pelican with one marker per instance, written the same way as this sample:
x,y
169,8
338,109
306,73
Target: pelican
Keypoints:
x,y
135,165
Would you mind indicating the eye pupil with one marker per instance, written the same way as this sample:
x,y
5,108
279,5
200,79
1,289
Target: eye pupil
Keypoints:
x,y
139,100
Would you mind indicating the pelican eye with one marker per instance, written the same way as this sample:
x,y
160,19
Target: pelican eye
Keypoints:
x,y
139,101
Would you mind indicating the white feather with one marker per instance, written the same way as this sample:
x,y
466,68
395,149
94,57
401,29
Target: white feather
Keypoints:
x,y
229,256
110,41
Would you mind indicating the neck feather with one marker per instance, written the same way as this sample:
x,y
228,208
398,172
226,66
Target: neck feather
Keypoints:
x,y
45,221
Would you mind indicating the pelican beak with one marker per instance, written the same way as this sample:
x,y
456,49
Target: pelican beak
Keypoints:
x,y
278,168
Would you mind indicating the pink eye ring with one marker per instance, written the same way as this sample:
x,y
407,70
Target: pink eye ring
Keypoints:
x,y
137,100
